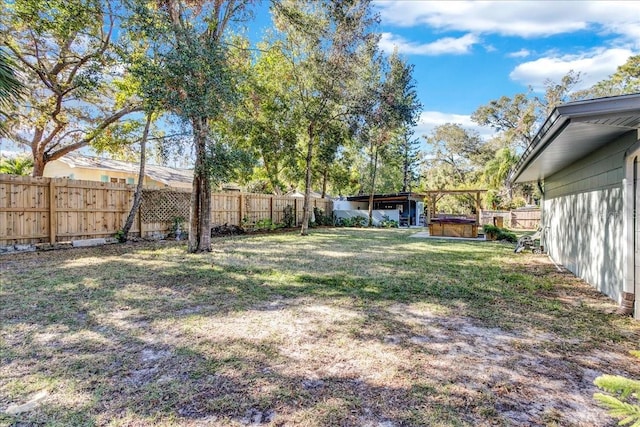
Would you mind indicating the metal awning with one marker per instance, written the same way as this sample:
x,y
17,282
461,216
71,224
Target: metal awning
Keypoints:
x,y
573,131
395,197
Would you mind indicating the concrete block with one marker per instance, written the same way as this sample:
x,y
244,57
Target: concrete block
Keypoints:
x,y
7,249
89,242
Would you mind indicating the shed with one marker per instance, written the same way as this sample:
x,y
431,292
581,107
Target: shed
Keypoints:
x,y
410,205
585,160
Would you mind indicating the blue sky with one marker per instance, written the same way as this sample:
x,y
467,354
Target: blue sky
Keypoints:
x,y
467,53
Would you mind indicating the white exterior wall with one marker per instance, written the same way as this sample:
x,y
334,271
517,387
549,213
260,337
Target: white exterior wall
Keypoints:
x,y
583,217
378,215
346,205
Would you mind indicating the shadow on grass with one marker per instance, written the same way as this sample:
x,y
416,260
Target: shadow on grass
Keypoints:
x,y
128,332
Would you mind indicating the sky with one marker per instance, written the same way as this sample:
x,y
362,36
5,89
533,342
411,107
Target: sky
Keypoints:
x,y
467,53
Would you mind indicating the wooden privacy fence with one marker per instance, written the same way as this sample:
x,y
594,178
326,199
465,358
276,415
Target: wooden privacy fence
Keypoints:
x,y
523,218
51,210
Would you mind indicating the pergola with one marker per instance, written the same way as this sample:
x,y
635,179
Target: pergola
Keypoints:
x,y
433,196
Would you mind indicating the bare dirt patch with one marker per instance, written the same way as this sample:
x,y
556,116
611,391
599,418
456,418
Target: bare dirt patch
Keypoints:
x,y
263,331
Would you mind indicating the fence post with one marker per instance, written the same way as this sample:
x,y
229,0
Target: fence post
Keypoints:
x,y
53,220
240,203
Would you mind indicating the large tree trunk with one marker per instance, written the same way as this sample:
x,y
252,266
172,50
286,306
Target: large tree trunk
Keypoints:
x,y
325,178
374,172
304,229
200,214
38,166
137,198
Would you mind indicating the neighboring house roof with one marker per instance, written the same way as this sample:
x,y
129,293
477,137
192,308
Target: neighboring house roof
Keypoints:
x,y
574,130
296,193
165,175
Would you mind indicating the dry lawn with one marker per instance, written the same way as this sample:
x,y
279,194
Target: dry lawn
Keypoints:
x,y
347,327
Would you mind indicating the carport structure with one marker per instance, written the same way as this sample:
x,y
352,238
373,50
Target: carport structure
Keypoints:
x,y
410,205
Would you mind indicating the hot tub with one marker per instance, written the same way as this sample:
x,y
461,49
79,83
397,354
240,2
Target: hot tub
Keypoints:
x,y
453,227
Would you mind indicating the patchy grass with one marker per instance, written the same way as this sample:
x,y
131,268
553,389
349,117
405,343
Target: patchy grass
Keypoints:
x,y
350,327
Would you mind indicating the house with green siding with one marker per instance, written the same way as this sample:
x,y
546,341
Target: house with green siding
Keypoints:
x,y
585,161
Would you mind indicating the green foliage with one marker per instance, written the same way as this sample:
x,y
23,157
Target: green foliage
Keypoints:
x,y
458,157
289,218
625,80
496,233
622,399
11,90
321,217
226,163
121,236
266,224
516,117
21,165
355,221
388,223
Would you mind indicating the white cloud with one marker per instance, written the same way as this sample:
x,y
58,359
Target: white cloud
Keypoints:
x,y
522,53
446,45
431,119
593,66
515,18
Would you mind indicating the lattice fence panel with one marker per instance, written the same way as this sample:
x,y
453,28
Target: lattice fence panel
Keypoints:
x,y
164,205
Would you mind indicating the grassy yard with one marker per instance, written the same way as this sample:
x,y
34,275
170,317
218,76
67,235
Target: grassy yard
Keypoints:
x,y
346,327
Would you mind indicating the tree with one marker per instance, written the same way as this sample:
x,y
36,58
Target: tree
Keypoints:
x,y
497,171
190,76
137,198
516,117
557,93
326,43
11,90
410,159
264,120
461,150
68,60
20,165
393,107
625,80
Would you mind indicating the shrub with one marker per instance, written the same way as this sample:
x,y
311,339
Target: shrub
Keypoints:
x,y
359,221
355,221
266,224
623,398
388,223
344,222
496,233
321,218
120,236
289,219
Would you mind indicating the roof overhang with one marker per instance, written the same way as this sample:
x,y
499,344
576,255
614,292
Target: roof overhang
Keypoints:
x,y
574,130
396,197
